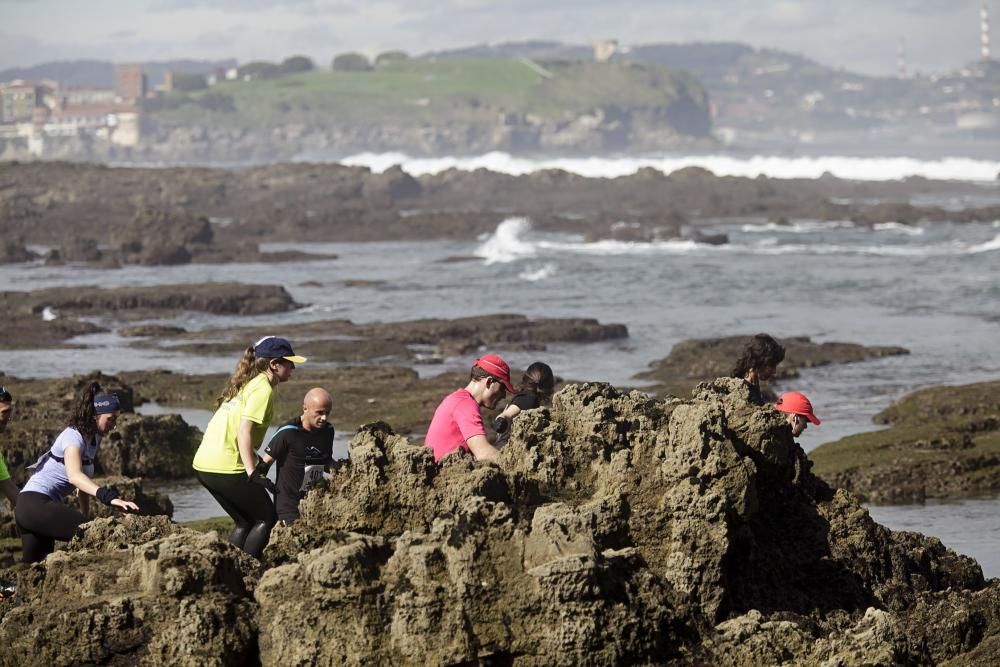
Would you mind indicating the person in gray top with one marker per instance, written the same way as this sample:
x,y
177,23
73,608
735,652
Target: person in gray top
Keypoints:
x,y
42,517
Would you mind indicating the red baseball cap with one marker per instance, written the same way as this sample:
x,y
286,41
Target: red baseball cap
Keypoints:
x,y
795,403
497,367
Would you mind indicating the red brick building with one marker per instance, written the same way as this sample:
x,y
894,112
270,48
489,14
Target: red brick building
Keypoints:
x,y
130,82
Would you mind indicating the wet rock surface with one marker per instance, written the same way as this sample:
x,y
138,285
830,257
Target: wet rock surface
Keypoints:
x,y
48,316
696,360
134,590
410,340
616,528
942,442
176,215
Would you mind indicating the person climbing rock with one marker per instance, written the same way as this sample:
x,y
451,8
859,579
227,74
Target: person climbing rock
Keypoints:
x,y
537,385
226,459
68,465
799,411
7,485
303,448
457,423
758,363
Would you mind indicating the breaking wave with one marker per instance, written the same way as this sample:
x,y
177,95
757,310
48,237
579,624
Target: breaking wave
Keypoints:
x,y
855,168
510,241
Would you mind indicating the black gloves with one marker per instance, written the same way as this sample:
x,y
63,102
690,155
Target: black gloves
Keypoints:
x,y
501,424
259,476
106,494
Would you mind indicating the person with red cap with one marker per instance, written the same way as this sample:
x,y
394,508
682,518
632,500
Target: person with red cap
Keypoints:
x,y
799,411
457,423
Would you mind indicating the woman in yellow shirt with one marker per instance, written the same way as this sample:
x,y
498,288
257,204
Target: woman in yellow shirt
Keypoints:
x,y
225,461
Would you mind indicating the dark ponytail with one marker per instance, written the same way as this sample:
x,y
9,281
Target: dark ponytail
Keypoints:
x,y
539,380
83,415
759,352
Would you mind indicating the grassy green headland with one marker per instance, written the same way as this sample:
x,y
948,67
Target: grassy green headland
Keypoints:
x,y
432,91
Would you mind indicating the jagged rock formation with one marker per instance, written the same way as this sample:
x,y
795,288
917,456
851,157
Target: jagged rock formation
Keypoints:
x,y
615,529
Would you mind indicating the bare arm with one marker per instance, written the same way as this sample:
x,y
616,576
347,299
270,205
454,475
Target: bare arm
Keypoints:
x,y
510,412
79,479
482,449
246,446
10,490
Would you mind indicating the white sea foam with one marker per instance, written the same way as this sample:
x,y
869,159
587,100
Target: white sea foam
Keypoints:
x,y
506,244
509,243
899,228
800,227
534,275
857,168
989,246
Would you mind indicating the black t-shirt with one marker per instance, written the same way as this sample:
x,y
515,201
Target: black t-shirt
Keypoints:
x,y
294,448
526,400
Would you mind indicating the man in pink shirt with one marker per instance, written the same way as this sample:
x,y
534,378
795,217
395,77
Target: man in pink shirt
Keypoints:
x,y
457,423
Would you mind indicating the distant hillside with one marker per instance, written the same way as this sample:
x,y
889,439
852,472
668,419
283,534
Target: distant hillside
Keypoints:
x,y
776,99
440,106
101,73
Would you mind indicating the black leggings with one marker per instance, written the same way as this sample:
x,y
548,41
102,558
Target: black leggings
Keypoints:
x,y
42,521
248,504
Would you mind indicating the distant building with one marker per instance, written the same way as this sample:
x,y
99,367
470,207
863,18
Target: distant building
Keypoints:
x,y
18,101
604,49
78,96
130,82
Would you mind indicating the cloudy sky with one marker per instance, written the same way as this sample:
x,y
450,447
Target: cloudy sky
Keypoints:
x,y
854,34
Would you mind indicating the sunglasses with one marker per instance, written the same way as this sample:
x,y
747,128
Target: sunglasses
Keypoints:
x,y
5,396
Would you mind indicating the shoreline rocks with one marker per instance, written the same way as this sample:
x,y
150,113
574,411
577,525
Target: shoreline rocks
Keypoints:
x,y
616,528
942,442
47,317
696,360
182,214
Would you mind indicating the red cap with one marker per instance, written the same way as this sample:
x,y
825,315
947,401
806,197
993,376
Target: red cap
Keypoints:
x,y
795,403
497,367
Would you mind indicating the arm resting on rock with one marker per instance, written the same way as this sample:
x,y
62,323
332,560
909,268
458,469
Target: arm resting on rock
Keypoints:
x,y
482,449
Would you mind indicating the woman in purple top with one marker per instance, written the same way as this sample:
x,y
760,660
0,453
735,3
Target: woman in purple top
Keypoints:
x,y
42,517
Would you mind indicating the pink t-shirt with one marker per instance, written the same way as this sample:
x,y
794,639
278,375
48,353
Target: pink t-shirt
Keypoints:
x,y
455,421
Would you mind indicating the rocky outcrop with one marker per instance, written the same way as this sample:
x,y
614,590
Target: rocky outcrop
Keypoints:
x,y
13,251
942,442
329,202
226,298
614,529
47,316
134,590
413,340
695,360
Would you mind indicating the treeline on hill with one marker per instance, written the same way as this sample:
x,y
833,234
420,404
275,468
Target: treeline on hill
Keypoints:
x,y
259,70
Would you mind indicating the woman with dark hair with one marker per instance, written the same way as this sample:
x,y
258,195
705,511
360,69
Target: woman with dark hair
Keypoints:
x,y
759,362
537,385
227,457
41,516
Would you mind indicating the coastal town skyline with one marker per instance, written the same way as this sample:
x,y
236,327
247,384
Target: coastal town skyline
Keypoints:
x,y
938,35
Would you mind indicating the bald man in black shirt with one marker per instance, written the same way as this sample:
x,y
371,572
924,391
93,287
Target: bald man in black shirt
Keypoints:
x,y
303,447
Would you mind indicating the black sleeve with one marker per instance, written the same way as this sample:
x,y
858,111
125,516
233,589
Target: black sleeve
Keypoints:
x,y
277,448
526,400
